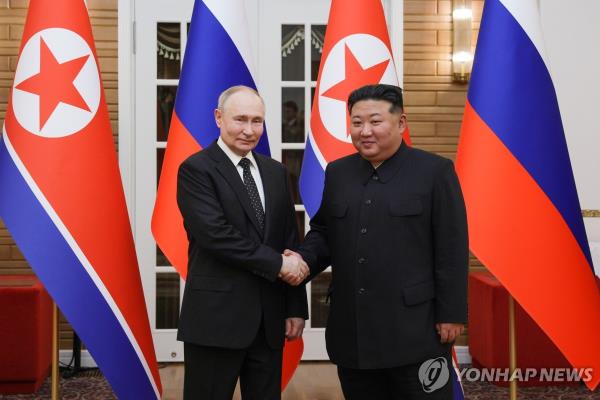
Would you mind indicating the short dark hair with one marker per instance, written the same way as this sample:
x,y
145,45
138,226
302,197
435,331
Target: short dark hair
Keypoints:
x,y
291,104
390,93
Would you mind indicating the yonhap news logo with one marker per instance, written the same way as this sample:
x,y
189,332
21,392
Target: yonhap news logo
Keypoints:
x,y
434,374
555,375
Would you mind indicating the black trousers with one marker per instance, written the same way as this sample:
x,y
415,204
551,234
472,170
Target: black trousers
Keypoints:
x,y
399,383
211,373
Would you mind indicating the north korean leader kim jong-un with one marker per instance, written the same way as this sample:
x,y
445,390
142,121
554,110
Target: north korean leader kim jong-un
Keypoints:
x,y
392,225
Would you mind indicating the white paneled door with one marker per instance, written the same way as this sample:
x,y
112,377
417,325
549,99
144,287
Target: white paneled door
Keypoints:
x,y
287,38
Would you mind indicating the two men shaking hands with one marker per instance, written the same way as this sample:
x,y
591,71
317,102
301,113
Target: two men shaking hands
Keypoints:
x,y
294,269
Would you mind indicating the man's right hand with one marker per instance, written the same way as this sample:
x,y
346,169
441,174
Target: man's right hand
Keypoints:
x,y
293,269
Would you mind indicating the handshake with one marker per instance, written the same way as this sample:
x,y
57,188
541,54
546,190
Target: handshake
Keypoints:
x,y
293,268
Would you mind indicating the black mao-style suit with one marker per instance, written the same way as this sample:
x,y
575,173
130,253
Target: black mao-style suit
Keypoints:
x,y
232,289
396,238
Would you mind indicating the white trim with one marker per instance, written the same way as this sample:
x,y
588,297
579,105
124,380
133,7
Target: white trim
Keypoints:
x,y
87,361
396,31
72,243
126,97
463,355
316,150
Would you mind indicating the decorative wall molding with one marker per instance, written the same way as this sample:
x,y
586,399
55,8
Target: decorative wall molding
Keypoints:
x,y
590,213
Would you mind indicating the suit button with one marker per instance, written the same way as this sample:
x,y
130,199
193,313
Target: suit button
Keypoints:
x,y
362,260
363,230
368,202
375,177
361,291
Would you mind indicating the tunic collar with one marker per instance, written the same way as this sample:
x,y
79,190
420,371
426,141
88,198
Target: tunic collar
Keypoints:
x,y
386,171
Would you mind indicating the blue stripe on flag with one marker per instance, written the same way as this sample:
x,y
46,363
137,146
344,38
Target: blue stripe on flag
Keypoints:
x,y
516,98
457,388
69,284
312,180
212,63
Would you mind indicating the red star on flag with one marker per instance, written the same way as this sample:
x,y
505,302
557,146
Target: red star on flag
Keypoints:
x,y
54,83
356,76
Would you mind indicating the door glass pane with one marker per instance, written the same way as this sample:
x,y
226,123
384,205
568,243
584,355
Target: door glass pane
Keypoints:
x,y
168,50
292,115
292,52
319,300
161,259
316,40
165,101
293,160
167,300
160,156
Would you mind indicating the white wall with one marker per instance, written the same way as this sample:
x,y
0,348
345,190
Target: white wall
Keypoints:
x,y
572,34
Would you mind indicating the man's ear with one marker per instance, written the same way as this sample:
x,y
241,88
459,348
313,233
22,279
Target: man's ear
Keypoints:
x,y
218,117
402,122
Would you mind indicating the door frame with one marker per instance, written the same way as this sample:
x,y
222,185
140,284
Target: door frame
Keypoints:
x,y
128,158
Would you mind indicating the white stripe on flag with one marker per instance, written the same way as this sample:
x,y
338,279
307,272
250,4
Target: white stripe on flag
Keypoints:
x,y
79,254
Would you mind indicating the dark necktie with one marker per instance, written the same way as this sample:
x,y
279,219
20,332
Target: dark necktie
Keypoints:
x,y
253,192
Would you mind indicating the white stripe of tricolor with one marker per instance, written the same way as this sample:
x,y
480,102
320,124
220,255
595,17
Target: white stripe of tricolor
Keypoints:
x,y
527,14
231,15
79,254
316,150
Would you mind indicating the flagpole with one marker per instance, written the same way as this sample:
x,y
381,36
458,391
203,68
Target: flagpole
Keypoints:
x,y
512,346
55,377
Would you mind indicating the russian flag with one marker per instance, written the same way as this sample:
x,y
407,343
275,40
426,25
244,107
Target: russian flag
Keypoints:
x,y
62,200
525,221
218,55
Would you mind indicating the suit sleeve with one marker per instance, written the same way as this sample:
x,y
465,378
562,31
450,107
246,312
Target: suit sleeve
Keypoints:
x,y
315,249
205,220
451,246
295,296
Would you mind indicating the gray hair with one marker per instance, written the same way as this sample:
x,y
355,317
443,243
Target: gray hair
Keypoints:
x,y
226,94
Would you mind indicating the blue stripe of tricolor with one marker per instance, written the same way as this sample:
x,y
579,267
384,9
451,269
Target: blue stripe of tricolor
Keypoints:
x,y
511,89
212,63
312,180
68,283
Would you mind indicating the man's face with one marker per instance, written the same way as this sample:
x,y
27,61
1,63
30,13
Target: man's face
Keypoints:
x,y
376,133
289,113
241,121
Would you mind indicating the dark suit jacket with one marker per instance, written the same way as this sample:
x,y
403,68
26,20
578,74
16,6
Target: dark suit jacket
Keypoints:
x,y
396,239
232,272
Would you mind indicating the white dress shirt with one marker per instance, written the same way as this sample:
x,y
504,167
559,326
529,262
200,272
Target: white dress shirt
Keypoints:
x,y
235,159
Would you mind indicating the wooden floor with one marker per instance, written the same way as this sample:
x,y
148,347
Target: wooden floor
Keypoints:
x,y
312,381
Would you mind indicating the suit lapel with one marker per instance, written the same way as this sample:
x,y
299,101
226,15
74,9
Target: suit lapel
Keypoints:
x,y
269,184
231,175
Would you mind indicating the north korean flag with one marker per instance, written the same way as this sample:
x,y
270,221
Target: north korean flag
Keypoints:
x,y
62,199
356,52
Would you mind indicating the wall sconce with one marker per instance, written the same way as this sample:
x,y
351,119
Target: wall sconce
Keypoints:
x,y
462,55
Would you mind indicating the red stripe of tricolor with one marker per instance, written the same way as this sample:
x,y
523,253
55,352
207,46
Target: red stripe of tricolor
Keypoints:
x,y
167,222
542,266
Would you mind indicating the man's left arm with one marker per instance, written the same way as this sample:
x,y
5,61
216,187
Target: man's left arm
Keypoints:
x,y
451,247
296,304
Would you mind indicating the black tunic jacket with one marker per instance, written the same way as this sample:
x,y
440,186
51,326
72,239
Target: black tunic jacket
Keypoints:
x,y
396,239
